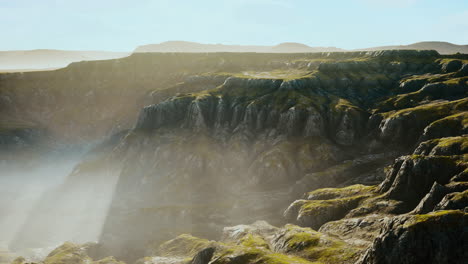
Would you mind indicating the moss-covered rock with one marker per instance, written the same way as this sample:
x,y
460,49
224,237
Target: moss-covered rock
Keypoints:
x,y
454,201
433,199
429,92
290,244
446,146
407,125
182,246
359,232
334,193
68,253
324,205
313,245
453,125
428,238
411,177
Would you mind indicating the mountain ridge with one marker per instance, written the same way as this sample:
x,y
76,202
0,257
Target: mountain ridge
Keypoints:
x,y
50,59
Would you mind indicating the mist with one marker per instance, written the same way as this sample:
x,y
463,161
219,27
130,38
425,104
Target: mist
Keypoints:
x,y
42,205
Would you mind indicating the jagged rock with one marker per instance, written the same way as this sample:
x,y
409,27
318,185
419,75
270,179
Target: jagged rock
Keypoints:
x,y
412,177
454,201
463,70
427,238
163,114
435,195
204,256
360,231
348,121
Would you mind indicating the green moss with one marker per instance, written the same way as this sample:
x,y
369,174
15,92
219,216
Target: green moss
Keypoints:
x,y
183,245
455,81
433,218
276,258
431,111
451,141
460,196
317,207
447,60
233,254
333,193
108,260
68,253
459,120
317,247
255,241
301,238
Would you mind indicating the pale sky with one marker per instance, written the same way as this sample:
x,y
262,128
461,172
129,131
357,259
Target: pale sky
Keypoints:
x,y
122,25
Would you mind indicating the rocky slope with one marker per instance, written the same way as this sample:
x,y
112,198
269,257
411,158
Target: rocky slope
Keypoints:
x,y
375,143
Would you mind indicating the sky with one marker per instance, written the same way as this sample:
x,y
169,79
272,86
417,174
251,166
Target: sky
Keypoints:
x,y
122,25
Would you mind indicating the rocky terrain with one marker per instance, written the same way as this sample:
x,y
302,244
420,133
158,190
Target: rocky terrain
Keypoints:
x,y
356,157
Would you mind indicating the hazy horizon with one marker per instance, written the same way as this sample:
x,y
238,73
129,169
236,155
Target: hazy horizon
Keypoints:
x,y
123,25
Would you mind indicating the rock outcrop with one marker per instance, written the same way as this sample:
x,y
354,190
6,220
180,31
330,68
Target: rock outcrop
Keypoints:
x,y
428,238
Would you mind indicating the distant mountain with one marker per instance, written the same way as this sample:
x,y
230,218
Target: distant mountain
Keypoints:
x,y
441,47
42,59
24,60
291,47
185,46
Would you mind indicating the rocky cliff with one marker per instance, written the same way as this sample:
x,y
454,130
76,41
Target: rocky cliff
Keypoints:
x,y
345,155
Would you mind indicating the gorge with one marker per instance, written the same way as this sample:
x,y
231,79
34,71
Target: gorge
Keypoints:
x,y
338,157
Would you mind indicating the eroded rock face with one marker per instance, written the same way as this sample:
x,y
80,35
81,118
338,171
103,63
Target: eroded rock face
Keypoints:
x,y
416,175
427,238
325,205
433,200
257,112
